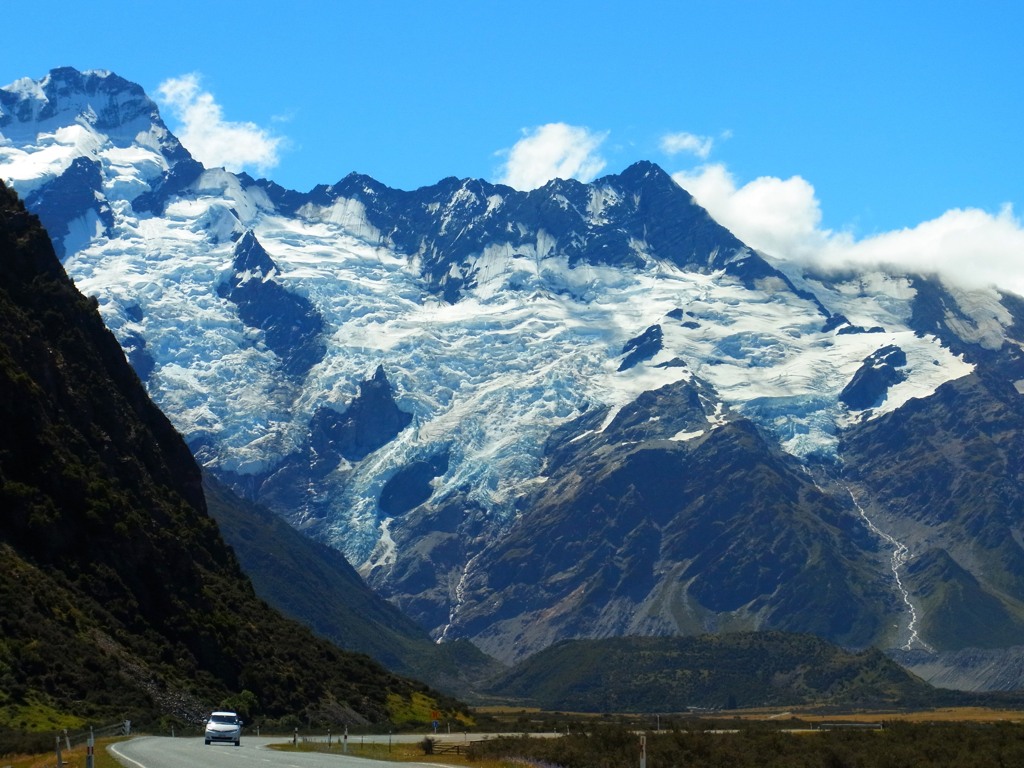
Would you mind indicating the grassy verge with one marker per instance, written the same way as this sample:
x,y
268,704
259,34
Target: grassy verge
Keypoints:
x,y
75,758
399,753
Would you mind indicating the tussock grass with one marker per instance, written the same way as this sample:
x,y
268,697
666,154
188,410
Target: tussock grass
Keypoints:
x,y
75,758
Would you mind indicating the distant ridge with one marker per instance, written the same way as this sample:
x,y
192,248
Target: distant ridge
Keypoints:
x,y
726,671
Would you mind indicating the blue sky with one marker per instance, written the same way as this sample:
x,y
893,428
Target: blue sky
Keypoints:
x,y
802,125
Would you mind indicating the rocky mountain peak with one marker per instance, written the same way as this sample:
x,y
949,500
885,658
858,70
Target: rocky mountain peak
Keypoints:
x,y
250,256
82,121
648,174
66,95
369,421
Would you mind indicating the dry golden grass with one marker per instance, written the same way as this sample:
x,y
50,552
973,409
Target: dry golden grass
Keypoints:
x,y
74,758
943,715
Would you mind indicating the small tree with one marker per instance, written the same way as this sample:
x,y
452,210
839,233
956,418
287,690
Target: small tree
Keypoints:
x,y
245,704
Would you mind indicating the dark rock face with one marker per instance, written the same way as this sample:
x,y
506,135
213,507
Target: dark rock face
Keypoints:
x,y
639,531
410,486
371,420
71,196
950,468
835,321
656,415
643,347
292,326
672,538
430,537
172,182
931,304
134,347
448,225
868,387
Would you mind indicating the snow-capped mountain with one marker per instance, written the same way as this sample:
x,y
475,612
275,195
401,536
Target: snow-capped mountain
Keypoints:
x,y
584,410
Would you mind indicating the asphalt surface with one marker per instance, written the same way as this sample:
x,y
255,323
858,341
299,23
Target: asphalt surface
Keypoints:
x,y
191,752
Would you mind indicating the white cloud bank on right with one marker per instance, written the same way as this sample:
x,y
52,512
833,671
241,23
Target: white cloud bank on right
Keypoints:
x,y
782,217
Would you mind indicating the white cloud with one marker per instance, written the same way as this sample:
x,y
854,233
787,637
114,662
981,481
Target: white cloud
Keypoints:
x,y
779,216
552,151
674,143
210,138
782,217
968,246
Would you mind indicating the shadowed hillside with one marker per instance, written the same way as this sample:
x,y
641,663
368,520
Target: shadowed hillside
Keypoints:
x,y
315,584
119,594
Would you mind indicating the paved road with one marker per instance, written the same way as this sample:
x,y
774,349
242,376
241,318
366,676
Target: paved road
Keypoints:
x,y
166,752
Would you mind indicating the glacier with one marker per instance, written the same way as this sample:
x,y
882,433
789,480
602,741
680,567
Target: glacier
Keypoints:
x,y
533,345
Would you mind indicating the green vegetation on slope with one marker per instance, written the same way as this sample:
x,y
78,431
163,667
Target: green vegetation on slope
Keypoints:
x,y
119,594
671,674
